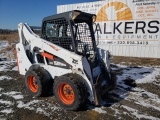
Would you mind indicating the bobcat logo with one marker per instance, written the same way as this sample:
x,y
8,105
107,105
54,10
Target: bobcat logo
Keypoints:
x,y
114,11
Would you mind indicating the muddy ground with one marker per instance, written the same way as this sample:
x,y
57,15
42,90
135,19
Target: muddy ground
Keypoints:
x,y
137,96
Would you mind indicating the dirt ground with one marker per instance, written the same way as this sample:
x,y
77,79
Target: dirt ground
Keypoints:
x,y
134,61
128,101
137,95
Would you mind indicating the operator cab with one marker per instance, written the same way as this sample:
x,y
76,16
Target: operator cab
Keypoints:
x,y
71,30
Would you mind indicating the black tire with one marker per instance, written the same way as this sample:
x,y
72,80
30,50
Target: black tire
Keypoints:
x,y
70,91
41,81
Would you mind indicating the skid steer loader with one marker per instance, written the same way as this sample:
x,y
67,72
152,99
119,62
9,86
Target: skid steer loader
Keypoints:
x,y
66,58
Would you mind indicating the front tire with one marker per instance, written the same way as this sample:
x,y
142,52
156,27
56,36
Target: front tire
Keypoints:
x,y
37,82
70,91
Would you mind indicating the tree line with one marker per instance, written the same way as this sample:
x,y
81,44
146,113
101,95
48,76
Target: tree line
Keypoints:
x,y
7,31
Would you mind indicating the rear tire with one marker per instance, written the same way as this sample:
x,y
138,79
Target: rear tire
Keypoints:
x,y
70,91
37,81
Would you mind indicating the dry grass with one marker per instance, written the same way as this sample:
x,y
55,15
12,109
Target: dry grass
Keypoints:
x,y
135,61
11,38
9,48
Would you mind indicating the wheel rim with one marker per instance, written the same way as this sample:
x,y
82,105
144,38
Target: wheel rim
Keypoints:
x,y
32,83
66,93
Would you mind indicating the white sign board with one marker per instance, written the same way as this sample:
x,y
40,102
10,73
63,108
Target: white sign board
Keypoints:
x,y
125,23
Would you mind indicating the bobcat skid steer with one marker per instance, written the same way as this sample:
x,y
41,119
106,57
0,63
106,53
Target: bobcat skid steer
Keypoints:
x,y
66,58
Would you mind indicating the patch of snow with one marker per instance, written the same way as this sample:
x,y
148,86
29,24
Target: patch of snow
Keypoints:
x,y
7,63
146,104
156,84
5,78
7,111
150,95
117,113
6,56
55,108
3,68
27,105
150,77
139,96
121,66
15,95
153,101
41,111
5,102
3,44
1,89
118,66
139,75
15,68
136,113
99,110
12,93
32,106
120,82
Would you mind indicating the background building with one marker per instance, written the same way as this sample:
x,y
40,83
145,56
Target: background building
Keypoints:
x,y
125,27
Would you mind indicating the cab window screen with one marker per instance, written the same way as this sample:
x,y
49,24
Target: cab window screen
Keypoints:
x,y
51,30
58,32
